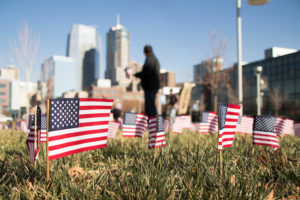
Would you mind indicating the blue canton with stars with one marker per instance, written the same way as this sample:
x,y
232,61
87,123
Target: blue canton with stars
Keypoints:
x,y
63,114
264,123
222,115
160,123
30,121
130,118
44,122
205,115
38,117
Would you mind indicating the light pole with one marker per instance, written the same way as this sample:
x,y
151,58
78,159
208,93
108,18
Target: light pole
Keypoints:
x,y
258,71
239,46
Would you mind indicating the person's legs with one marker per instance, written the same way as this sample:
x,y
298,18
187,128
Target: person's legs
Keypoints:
x,y
150,108
172,115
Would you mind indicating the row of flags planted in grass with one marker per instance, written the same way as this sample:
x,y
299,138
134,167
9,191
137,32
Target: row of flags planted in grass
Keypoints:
x,y
77,125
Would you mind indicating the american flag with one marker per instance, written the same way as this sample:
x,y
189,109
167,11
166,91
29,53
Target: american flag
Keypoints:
x,y
113,127
134,124
166,124
263,131
181,122
34,135
156,132
43,128
209,123
287,127
228,118
279,126
297,130
245,125
77,125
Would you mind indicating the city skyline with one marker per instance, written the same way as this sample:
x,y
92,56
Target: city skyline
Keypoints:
x,y
178,31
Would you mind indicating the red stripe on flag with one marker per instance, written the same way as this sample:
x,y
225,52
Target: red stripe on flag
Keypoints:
x,y
76,151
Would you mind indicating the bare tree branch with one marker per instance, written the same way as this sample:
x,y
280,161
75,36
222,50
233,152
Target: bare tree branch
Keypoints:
x,y
25,50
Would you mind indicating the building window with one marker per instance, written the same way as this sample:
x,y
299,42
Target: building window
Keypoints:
x,y
2,100
2,85
2,93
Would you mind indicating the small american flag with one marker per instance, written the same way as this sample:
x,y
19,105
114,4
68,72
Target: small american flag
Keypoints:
x,y
134,125
263,131
297,130
156,132
228,118
279,126
245,125
43,128
287,128
77,125
34,135
182,122
209,123
113,127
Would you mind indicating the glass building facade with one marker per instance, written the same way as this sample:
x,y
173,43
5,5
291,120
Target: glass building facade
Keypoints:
x,y
84,46
59,74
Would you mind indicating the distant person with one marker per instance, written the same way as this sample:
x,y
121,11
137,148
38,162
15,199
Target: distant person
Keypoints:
x,y
150,80
173,106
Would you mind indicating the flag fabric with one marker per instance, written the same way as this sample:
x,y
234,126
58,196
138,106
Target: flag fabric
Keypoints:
x,y
245,125
228,118
209,123
134,124
297,130
43,128
166,124
279,126
264,131
287,128
113,127
31,137
181,122
34,135
77,125
156,132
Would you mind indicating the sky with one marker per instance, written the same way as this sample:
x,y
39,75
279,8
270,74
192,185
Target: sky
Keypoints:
x,y
178,30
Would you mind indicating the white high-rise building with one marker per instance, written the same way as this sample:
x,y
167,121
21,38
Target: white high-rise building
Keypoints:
x,y
84,46
117,54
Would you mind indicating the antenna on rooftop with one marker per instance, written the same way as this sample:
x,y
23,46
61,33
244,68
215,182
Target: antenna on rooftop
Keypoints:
x,y
118,19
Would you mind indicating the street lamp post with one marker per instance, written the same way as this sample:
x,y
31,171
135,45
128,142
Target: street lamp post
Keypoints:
x,y
258,71
239,46
239,54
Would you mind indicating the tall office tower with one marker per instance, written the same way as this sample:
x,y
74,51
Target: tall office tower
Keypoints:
x,y
84,46
117,54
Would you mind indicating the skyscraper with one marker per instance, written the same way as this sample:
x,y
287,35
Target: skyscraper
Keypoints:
x,y
117,55
84,46
58,73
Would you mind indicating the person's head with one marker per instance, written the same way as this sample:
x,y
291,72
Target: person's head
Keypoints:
x,y
148,50
171,91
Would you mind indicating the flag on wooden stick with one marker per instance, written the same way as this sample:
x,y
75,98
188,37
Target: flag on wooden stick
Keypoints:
x,y
209,123
134,124
181,123
245,125
228,118
34,135
77,125
156,132
263,131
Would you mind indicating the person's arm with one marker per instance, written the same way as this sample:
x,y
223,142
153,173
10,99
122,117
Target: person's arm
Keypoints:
x,y
147,69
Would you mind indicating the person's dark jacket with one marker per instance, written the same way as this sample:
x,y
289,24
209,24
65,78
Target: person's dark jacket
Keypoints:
x,y
150,74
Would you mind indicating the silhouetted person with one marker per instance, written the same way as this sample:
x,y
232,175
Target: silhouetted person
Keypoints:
x,y
150,80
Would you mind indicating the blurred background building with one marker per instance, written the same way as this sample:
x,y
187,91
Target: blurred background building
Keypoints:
x,y
58,73
84,46
117,54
